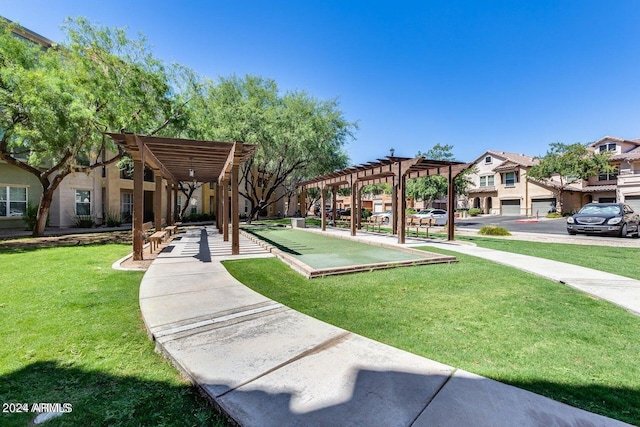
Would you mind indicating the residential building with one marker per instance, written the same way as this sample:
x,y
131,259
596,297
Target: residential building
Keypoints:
x,y
624,184
501,187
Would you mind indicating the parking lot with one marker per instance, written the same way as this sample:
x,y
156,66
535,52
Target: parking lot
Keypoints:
x,y
546,230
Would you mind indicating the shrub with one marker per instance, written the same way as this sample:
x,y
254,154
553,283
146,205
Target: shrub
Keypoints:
x,y
83,221
113,219
474,212
554,215
494,230
29,216
410,211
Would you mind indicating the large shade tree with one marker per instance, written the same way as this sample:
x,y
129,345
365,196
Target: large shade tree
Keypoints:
x,y
298,136
56,103
566,164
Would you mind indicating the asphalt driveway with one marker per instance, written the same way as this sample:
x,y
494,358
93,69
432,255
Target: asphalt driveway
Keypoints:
x,y
516,224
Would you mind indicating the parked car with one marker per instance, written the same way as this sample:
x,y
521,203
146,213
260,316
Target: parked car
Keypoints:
x,y
440,215
386,216
615,219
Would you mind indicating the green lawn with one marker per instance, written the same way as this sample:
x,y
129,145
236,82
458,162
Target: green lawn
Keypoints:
x,y
482,317
72,333
617,260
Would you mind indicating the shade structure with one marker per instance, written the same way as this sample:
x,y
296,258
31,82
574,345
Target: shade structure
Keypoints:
x,y
175,157
395,171
186,160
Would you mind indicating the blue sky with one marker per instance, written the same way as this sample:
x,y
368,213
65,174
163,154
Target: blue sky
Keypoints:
x,y
504,75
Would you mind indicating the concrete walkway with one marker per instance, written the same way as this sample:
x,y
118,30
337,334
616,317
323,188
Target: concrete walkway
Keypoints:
x,y
264,364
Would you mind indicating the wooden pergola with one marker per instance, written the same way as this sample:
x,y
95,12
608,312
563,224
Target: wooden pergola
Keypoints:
x,y
185,160
392,170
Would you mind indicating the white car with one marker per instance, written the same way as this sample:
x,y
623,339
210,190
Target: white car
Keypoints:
x,y
386,215
439,215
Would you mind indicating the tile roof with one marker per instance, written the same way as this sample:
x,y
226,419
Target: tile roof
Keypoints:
x,y
633,154
520,159
594,188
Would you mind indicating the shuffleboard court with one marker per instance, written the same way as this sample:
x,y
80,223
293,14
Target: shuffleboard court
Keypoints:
x,y
316,255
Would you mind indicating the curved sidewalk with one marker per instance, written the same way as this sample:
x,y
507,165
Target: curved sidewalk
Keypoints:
x,y
265,364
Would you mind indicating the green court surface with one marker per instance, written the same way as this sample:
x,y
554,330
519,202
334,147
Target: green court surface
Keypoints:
x,y
329,255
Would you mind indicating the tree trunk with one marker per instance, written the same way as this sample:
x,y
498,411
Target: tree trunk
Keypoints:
x,y
43,213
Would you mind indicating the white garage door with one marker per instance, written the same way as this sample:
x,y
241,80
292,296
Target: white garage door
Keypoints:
x,y
510,207
542,206
634,202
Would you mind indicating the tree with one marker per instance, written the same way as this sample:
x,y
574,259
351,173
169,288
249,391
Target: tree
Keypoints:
x,y
56,103
376,189
566,164
434,187
298,136
187,188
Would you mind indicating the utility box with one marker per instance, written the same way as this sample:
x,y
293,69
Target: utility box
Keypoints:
x,y
298,223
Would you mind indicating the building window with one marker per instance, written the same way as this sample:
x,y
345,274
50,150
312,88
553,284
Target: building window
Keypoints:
x,y
486,181
488,159
510,179
83,202
608,176
13,201
126,206
608,147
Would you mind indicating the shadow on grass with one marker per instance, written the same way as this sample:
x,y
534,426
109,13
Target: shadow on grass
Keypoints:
x,y
278,245
99,399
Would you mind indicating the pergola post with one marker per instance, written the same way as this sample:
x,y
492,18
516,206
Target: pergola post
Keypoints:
x,y
303,202
176,207
451,206
157,205
402,223
168,211
334,204
323,210
225,209
359,211
235,214
220,205
394,207
354,211
138,208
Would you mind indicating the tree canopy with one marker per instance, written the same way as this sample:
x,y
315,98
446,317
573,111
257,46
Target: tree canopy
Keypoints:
x,y
434,187
298,136
55,103
565,164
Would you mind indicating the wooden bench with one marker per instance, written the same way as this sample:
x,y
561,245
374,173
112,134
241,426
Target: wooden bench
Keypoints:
x,y
419,224
171,229
344,220
156,238
146,227
374,222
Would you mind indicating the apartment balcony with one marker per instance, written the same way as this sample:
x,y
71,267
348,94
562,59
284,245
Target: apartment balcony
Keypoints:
x,y
629,178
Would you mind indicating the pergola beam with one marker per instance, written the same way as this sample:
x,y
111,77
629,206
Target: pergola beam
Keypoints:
x,y
183,160
396,171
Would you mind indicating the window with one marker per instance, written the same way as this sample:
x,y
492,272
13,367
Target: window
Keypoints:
x,y
83,202
126,206
510,179
608,176
608,147
486,181
488,159
13,201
